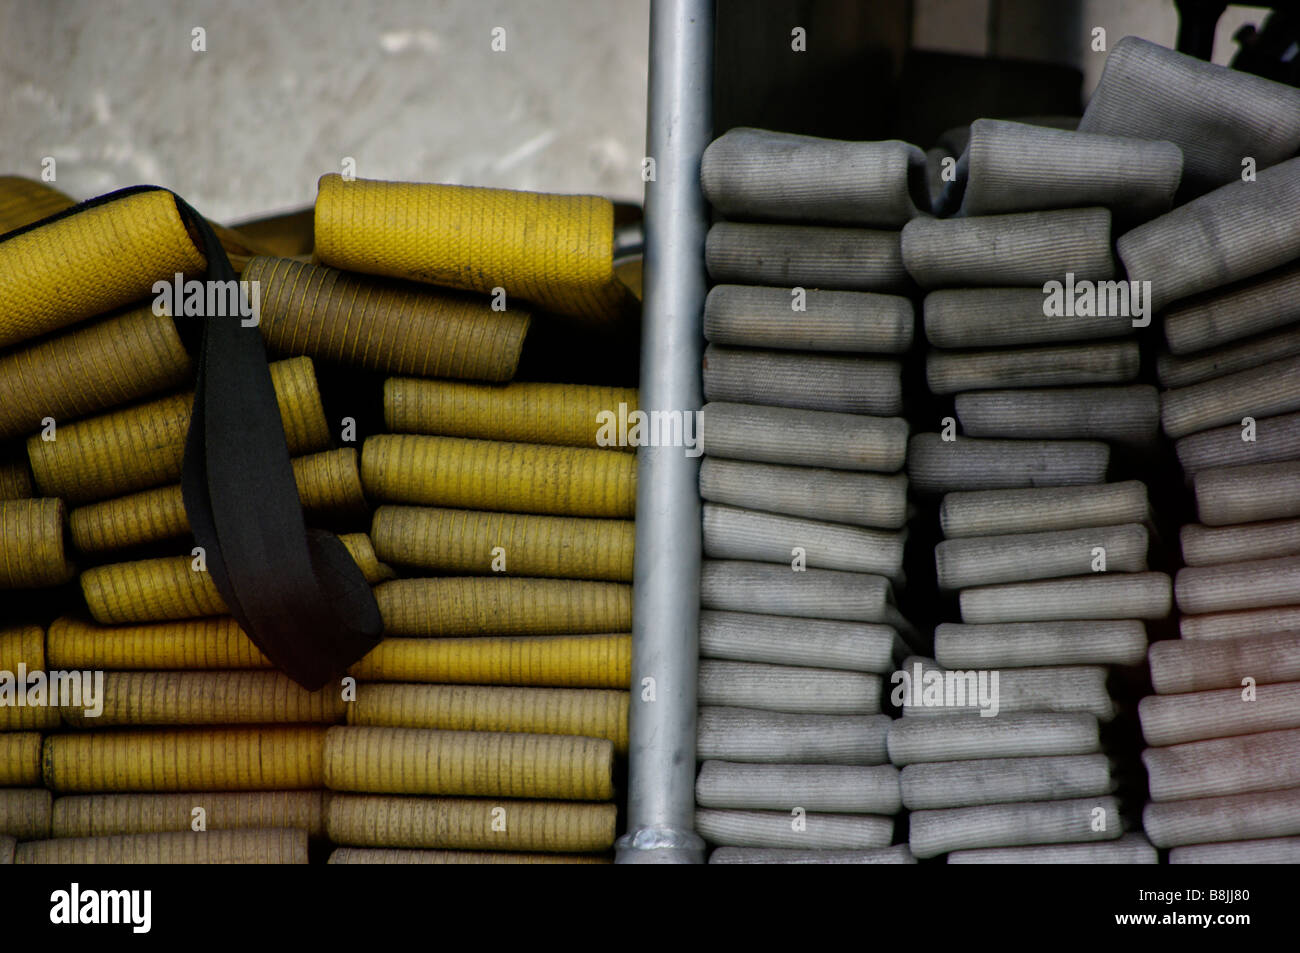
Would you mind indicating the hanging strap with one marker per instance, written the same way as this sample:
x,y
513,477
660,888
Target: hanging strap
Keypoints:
x,y
296,592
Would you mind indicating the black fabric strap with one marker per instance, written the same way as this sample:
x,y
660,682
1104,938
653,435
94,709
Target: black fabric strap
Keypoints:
x,y
296,592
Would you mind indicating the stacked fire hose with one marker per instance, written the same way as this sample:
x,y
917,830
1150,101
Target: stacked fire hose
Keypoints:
x,y
804,501
1043,498
1047,559
491,512
484,726
1224,724
1213,120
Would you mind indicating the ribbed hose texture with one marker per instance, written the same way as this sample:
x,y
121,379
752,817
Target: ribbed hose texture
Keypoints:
x,y
567,415
1277,439
31,544
806,256
826,788
469,823
774,829
186,847
206,698
1010,735
936,466
751,316
230,759
469,541
734,533
1024,644
82,265
25,813
1214,115
1246,494
486,606
1264,391
1235,232
840,496
1024,249
1020,557
803,437
543,711
949,372
20,759
1042,509
1194,665
949,784
22,645
213,643
384,325
1126,415
364,855
329,484
556,251
106,364
143,446
494,475
1213,545
783,640
1017,167
387,760
1240,311
1176,371
777,176
815,593
101,815
1004,317
1197,716
1012,825
770,737
1234,817
1138,595
1129,849
563,661
848,385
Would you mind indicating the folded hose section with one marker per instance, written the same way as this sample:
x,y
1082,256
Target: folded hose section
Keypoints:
x,y
553,250
1178,190
503,682
384,325
104,254
804,505
1222,726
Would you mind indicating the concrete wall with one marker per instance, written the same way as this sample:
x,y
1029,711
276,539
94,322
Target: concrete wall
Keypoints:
x,y
410,88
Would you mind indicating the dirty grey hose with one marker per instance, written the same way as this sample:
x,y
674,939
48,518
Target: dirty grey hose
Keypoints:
x,y
1215,115
779,176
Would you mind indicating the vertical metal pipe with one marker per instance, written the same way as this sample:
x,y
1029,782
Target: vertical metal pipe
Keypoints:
x,y
666,585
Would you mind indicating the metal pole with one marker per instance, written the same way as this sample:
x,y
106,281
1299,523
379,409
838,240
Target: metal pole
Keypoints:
x,y
666,585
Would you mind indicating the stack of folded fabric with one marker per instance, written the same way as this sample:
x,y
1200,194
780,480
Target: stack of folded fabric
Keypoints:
x,y
24,801
33,559
487,722
197,732
804,505
1224,724
101,447
1000,742
505,494
1032,339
